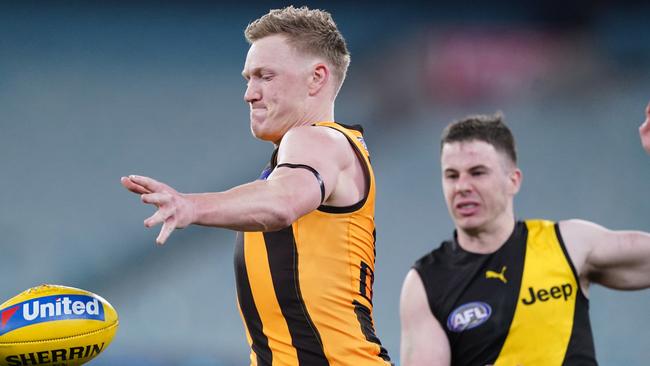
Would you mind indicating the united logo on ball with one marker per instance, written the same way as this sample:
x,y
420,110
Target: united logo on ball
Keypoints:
x,y
55,325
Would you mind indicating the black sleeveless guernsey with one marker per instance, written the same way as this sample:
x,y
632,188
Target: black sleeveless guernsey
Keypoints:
x,y
520,305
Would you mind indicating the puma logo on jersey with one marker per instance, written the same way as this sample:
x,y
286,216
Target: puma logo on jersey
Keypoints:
x,y
498,275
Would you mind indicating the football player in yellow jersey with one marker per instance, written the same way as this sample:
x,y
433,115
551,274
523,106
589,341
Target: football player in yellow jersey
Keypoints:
x,y
502,291
305,257
291,85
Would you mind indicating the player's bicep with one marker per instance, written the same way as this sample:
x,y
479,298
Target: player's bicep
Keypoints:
x,y
622,260
297,188
320,151
617,259
423,341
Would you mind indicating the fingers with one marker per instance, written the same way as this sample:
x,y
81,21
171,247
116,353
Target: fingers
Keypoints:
x,y
157,199
158,194
168,220
147,183
161,216
164,215
166,230
165,210
129,184
644,130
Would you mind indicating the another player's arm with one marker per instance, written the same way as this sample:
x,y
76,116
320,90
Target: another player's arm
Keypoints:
x,y
260,205
644,130
423,341
616,259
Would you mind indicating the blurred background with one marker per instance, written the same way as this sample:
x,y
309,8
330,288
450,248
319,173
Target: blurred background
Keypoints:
x,y
94,90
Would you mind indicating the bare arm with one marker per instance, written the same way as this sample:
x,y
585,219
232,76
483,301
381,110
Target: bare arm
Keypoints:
x,y
423,341
257,206
616,259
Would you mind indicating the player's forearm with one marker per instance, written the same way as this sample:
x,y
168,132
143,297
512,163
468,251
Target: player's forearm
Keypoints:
x,y
253,206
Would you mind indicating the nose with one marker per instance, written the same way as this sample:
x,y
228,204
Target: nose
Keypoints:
x,y
252,93
463,184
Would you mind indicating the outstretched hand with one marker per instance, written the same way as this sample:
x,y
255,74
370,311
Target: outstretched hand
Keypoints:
x,y
644,130
174,209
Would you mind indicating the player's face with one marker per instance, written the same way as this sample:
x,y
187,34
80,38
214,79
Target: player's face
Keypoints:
x,y
479,185
277,89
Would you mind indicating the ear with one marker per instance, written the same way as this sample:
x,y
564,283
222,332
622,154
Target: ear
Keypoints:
x,y
515,180
318,78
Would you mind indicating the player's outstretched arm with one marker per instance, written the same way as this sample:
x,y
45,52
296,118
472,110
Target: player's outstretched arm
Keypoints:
x,y
260,205
616,259
423,341
644,130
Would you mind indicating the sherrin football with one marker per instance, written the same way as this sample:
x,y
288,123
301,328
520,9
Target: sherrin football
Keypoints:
x,y
55,325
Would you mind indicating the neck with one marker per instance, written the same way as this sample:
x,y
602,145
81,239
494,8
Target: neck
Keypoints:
x,y
322,113
486,239
318,113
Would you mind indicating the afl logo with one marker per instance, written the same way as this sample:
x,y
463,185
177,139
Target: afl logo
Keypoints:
x,y
468,316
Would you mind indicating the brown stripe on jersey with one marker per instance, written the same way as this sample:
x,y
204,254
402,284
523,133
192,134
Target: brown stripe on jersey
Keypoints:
x,y
368,330
283,262
260,344
374,246
358,128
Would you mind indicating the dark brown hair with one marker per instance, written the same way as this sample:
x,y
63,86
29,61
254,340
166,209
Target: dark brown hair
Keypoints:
x,y
490,129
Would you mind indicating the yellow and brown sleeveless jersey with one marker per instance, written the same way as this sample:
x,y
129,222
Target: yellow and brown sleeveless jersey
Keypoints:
x,y
305,292
520,305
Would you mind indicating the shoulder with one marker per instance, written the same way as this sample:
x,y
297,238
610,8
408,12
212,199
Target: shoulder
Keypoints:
x,y
571,232
430,259
413,296
436,265
579,238
313,134
577,231
317,142
437,255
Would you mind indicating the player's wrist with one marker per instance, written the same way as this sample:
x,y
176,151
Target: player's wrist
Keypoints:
x,y
190,209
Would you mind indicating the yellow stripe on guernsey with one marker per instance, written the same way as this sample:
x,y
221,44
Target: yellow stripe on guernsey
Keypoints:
x,y
543,318
270,312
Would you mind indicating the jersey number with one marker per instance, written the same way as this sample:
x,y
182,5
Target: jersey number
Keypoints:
x,y
366,279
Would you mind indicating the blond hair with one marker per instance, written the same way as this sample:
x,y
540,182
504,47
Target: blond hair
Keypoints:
x,y
312,31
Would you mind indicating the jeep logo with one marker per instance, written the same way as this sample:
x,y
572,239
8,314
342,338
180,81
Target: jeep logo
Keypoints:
x,y
555,292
